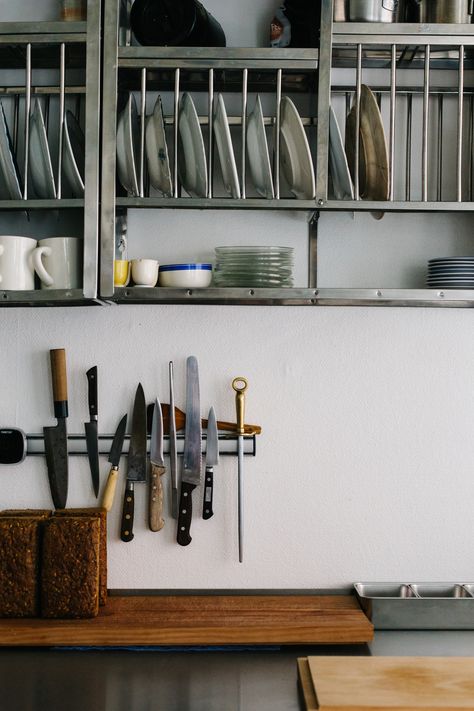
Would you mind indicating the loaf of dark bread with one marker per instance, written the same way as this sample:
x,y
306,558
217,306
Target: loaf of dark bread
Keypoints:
x,y
70,567
19,565
101,514
29,513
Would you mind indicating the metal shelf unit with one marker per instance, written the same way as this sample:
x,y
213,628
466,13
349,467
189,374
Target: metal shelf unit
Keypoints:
x,y
57,63
385,49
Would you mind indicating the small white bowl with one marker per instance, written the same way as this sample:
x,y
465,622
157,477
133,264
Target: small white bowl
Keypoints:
x,y
185,275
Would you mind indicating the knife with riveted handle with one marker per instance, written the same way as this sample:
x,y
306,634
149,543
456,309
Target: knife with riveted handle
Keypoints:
x,y
157,469
192,459
137,461
91,428
212,459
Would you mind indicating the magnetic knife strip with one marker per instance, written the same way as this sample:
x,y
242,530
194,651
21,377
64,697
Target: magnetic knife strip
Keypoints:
x,y
77,444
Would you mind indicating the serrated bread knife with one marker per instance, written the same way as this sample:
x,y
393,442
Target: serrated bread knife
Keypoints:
x,y
191,473
55,438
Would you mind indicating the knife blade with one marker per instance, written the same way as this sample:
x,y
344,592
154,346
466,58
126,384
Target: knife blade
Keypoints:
x,y
191,474
157,469
55,438
173,447
114,459
212,460
136,471
92,438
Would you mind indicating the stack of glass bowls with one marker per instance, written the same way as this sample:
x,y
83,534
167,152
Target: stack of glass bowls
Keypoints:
x,y
254,266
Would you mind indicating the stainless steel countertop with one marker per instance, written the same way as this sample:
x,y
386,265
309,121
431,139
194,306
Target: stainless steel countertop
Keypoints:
x,y
248,679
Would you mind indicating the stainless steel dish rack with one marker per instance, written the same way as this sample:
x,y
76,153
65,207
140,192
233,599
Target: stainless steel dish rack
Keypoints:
x,y
421,76
58,65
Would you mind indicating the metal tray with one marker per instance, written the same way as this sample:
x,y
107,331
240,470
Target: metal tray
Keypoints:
x,y
418,606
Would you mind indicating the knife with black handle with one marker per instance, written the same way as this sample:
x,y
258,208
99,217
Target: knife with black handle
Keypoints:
x,y
212,459
91,427
136,463
192,458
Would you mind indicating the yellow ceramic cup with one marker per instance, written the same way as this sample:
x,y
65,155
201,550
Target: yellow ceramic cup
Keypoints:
x,y
121,272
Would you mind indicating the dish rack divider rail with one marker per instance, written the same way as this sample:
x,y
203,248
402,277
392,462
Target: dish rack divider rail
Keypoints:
x,y
55,62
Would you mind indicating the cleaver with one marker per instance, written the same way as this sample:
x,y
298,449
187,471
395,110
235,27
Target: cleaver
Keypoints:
x,y
55,438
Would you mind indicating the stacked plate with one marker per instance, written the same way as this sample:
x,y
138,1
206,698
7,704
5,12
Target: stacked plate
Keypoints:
x,y
451,273
254,266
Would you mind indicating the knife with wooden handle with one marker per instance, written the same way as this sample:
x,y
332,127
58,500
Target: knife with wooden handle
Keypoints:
x,y
114,459
55,438
157,469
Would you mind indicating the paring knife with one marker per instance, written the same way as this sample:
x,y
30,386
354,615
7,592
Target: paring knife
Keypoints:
x,y
173,448
136,463
55,438
114,459
157,469
240,386
191,474
212,459
92,440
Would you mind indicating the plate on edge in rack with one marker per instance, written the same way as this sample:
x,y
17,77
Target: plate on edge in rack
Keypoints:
x,y
41,169
192,164
373,153
338,167
295,155
225,149
257,152
157,151
74,154
9,176
128,147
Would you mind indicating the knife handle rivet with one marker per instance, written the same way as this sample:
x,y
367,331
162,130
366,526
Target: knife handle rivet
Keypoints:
x,y
183,528
129,498
127,516
183,511
185,493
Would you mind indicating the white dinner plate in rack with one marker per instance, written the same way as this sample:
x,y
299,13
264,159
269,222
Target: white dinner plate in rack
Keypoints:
x,y
295,155
257,152
9,176
157,151
192,163
338,166
74,154
41,169
225,149
128,147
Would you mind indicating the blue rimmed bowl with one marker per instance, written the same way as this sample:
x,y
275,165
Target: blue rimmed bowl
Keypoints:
x,y
185,275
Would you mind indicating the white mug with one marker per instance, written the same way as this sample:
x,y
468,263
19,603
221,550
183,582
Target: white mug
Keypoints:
x,y
59,265
17,262
145,272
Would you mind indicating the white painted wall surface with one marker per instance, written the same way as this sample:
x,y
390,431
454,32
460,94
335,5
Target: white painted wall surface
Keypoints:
x,y
364,469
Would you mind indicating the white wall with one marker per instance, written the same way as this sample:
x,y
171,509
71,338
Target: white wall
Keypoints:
x,y
364,466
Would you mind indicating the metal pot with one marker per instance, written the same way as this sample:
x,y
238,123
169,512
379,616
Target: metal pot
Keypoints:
x,y
458,11
376,10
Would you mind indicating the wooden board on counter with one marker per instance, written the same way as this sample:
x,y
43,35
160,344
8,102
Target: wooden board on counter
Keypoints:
x,y
392,683
202,619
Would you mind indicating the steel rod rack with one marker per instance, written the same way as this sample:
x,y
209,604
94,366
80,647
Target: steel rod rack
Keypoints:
x,y
77,444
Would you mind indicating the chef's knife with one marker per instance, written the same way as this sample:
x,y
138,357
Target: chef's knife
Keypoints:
x,y
136,471
173,448
191,474
114,459
157,469
212,459
92,440
55,438
240,386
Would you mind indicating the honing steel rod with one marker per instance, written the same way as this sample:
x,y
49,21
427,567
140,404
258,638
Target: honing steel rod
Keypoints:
x,y
240,386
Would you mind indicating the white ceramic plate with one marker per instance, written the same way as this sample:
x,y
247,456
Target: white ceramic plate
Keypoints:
x,y
128,147
225,149
338,166
41,169
73,154
157,151
9,177
257,152
295,156
192,164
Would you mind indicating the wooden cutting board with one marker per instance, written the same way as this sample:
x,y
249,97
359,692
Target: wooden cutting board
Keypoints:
x,y
395,683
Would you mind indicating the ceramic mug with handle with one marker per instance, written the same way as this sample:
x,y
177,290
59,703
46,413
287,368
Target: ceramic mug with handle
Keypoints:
x,y
18,256
59,264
